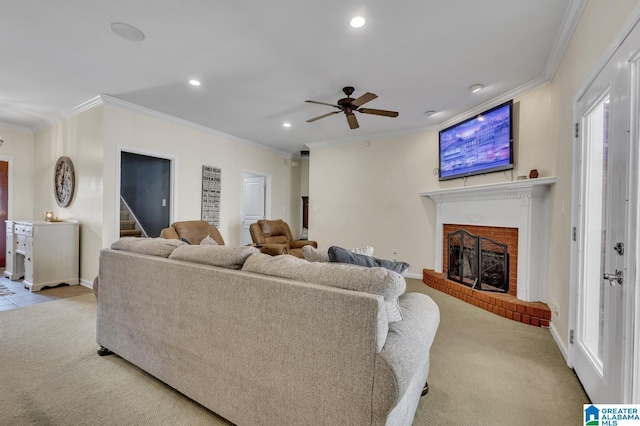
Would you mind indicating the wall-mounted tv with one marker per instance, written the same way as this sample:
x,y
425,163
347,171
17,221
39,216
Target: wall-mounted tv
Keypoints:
x,y
478,145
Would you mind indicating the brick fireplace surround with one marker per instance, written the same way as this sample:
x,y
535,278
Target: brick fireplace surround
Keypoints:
x,y
503,304
489,211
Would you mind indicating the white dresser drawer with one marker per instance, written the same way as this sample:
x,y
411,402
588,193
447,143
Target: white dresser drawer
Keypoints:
x,y
21,244
9,228
21,229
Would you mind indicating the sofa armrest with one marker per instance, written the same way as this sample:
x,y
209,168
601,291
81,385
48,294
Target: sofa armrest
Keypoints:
x,y
169,233
301,243
403,364
273,249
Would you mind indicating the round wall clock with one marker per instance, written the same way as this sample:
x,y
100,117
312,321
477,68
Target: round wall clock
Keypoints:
x,y
64,181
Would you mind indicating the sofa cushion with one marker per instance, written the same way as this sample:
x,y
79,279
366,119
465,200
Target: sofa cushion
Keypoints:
x,y
380,281
151,246
208,241
338,254
313,254
214,255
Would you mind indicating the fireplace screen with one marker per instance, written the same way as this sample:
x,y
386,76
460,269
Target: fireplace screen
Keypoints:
x,y
478,262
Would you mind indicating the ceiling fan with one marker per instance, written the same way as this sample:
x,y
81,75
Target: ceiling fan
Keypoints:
x,y
349,105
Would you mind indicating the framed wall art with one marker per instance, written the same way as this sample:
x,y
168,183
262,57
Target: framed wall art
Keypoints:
x,y
211,185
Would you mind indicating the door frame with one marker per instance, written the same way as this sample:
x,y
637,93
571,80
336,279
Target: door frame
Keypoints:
x,y
631,315
267,195
9,159
173,181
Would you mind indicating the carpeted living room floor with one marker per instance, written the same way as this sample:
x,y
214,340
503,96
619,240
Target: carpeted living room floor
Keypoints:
x,y
485,370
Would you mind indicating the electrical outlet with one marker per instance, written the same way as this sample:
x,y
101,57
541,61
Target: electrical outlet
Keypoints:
x,y
555,309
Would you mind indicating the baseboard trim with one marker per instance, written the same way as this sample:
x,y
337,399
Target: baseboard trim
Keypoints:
x,y
560,343
85,283
416,276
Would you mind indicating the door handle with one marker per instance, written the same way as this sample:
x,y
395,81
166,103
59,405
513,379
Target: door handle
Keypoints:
x,y
614,277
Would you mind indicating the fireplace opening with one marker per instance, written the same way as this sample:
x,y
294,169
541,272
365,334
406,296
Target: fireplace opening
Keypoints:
x,y
478,262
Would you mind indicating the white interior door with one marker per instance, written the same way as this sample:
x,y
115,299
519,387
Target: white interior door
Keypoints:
x,y
254,204
601,355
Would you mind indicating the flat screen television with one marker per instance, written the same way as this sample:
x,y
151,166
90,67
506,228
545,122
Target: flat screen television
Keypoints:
x,y
478,145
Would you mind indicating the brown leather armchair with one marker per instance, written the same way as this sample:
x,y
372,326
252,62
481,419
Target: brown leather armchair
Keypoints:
x,y
193,231
274,237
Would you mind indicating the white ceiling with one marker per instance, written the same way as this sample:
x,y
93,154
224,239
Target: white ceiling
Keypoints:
x,y
258,61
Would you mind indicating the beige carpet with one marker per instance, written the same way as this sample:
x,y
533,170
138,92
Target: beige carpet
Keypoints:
x,y
488,370
485,370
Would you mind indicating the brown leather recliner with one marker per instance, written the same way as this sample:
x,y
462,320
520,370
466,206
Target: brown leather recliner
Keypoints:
x,y
193,231
274,237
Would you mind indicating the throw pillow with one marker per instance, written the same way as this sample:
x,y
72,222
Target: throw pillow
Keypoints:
x,y
381,281
313,254
222,256
338,254
366,250
152,246
208,241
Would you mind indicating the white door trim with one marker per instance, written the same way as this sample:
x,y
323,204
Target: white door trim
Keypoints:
x,y
267,196
9,159
173,160
631,366
631,315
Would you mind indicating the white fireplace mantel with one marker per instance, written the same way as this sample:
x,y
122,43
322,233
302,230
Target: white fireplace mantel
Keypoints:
x,y
521,204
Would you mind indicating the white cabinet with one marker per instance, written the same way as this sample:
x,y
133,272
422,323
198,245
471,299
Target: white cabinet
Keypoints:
x,y
50,252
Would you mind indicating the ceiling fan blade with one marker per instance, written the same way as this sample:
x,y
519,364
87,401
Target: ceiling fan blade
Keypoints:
x,y
367,97
311,120
322,103
378,112
353,122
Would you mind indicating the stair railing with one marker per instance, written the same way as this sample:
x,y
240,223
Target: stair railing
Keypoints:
x,y
133,216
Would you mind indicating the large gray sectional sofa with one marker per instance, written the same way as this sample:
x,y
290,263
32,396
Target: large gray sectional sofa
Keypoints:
x,y
264,340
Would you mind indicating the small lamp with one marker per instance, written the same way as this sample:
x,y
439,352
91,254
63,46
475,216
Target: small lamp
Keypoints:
x,y
48,216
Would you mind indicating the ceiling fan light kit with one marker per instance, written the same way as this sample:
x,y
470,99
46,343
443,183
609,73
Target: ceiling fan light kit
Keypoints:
x,y
350,105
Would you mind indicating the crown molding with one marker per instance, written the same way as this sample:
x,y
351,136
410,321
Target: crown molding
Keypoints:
x,y
373,136
110,100
87,105
621,36
569,23
14,127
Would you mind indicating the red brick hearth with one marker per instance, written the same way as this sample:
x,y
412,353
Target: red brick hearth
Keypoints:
x,y
505,305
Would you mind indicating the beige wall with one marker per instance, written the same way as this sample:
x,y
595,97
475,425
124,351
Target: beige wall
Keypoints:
x,y
598,26
18,151
304,177
369,194
79,138
93,140
192,148
366,193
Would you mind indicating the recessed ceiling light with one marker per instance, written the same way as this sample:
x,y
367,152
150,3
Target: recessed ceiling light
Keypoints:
x,y
476,88
429,113
357,22
194,82
127,32
286,124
